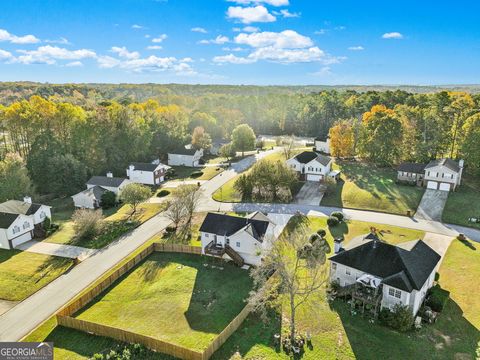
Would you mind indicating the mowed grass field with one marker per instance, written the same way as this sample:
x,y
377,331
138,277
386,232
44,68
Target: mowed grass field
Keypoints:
x,y
462,204
364,186
336,334
175,298
23,273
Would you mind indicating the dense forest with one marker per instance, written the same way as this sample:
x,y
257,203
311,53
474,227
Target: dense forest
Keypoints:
x,y
54,136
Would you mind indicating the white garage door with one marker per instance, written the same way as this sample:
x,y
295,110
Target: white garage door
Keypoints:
x,y
313,177
432,185
21,239
444,187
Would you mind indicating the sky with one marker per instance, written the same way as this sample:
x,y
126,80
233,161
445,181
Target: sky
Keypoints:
x,y
259,42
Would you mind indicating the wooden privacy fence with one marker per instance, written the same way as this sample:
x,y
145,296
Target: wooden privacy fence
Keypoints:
x,y
64,316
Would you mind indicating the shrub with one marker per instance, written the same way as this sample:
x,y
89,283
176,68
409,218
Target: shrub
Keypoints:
x,y
170,229
47,223
332,221
196,174
87,223
399,317
322,233
109,199
170,174
437,298
339,215
163,193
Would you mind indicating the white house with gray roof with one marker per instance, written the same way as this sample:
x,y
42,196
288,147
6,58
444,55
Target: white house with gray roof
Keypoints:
x,y
396,275
147,173
440,174
37,212
311,166
185,157
109,182
15,229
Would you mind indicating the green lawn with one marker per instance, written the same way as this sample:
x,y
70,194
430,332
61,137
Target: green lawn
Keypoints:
x,y
23,273
175,298
462,204
185,172
336,334
227,193
364,186
66,234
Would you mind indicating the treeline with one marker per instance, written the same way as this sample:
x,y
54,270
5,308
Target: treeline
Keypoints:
x,y
65,133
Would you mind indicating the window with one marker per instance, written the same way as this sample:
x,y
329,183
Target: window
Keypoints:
x,y
42,215
26,225
394,293
207,235
398,294
238,244
227,241
391,292
347,271
16,229
334,266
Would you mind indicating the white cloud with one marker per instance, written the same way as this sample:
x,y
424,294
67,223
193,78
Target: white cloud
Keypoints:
x,y
220,39
341,27
62,41
159,38
268,2
392,35
154,47
356,48
124,53
49,54
251,29
238,48
137,27
321,32
14,39
199,30
324,71
286,14
5,55
249,15
107,62
74,64
284,39
232,59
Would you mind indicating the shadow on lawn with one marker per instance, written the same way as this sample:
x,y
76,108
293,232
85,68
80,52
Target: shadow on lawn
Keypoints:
x,y
452,336
6,255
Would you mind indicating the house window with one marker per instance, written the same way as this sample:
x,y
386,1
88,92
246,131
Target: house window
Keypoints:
x,y
206,235
26,225
394,293
347,271
42,215
227,241
334,266
238,244
16,229
391,292
428,173
398,294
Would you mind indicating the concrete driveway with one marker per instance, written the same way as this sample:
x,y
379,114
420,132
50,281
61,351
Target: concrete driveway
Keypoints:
x,y
67,251
309,194
432,204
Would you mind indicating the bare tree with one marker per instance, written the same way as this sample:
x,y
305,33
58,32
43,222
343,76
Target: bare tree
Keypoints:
x,y
190,195
297,261
175,210
287,146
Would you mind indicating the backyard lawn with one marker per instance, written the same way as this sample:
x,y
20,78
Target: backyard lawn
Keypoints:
x,y
23,273
462,204
336,334
175,298
364,186
185,172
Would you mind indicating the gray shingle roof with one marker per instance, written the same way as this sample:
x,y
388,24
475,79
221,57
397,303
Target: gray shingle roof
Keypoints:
x,y
226,225
307,156
183,151
7,219
400,268
448,163
412,167
144,166
106,181
19,207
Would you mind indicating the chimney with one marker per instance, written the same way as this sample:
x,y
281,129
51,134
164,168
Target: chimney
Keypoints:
x,y
27,199
109,174
461,162
338,245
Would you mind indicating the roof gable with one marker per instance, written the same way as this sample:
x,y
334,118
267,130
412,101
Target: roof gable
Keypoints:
x,y
141,166
322,160
306,156
226,225
20,207
7,219
448,163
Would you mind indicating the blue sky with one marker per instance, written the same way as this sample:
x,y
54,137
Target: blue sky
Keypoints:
x,y
241,42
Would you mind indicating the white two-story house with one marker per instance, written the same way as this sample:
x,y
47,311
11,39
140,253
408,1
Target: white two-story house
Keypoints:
x,y
322,144
311,166
185,157
147,173
245,240
401,276
37,212
15,229
440,174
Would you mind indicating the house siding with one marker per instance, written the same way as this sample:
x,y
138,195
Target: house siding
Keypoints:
x,y
23,235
